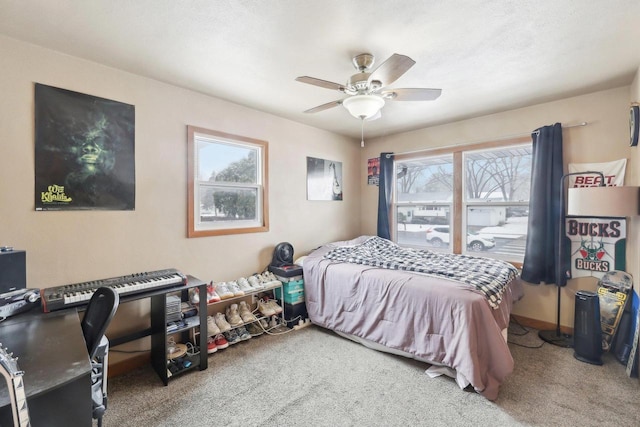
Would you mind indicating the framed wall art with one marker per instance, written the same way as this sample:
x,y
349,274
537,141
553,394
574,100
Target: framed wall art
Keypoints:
x,y
324,179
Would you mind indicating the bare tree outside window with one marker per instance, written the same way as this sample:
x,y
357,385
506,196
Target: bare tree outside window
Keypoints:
x,y
494,200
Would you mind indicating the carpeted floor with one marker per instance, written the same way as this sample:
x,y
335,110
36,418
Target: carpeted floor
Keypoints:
x,y
313,377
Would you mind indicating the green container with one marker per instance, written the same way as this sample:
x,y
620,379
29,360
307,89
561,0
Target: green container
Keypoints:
x,y
293,292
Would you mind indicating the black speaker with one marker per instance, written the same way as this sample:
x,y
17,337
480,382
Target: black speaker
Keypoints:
x,y
587,330
13,271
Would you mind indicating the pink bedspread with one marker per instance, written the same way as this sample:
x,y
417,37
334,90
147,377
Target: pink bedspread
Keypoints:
x,y
431,318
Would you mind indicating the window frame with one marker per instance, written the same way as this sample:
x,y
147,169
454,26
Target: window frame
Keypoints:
x,y
193,184
458,205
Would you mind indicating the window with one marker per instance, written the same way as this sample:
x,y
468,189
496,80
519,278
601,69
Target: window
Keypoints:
x,y
227,186
465,199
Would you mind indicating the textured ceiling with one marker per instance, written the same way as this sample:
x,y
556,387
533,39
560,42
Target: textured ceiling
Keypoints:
x,y
486,56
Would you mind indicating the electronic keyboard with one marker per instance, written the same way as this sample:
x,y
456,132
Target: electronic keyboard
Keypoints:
x,y
76,294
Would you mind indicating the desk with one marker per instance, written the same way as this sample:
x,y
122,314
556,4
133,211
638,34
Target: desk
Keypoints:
x,y
52,353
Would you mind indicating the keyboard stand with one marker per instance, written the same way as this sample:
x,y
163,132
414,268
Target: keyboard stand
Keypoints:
x,y
158,329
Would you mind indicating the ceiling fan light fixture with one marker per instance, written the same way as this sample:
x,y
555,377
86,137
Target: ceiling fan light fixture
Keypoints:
x,y
363,106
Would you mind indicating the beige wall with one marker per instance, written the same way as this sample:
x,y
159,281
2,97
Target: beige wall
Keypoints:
x,y
69,247
605,138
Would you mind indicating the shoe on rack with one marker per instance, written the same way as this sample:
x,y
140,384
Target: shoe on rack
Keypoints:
x,y
265,280
243,334
233,287
255,282
222,323
223,290
233,317
274,322
245,312
211,345
265,309
264,325
254,329
212,295
212,328
232,337
244,285
221,342
274,305
194,298
274,279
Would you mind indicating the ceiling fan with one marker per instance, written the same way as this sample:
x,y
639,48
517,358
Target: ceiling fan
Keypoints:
x,y
368,90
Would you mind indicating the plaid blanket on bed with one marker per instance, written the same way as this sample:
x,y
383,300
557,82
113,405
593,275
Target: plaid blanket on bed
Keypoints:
x,y
487,275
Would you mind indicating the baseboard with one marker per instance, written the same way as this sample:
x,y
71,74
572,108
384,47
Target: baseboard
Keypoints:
x,y
128,365
540,324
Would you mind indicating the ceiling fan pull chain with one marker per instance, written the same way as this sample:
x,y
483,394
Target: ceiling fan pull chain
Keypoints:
x,y
362,134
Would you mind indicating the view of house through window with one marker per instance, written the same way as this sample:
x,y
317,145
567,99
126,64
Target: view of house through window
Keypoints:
x,y
228,192
493,200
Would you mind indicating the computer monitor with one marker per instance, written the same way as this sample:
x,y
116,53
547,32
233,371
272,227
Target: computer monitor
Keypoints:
x,y
13,271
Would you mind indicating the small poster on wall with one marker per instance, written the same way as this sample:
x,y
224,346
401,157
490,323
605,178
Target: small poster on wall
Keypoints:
x,y
324,179
84,152
373,171
598,245
613,174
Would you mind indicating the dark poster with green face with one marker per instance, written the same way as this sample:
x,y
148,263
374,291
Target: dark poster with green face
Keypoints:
x,y
84,151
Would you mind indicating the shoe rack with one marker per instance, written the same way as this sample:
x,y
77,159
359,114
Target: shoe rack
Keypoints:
x,y
251,299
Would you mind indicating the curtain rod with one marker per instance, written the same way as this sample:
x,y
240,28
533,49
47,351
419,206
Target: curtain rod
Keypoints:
x,y
484,140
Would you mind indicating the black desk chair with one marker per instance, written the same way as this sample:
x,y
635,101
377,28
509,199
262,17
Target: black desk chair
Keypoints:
x,y
100,311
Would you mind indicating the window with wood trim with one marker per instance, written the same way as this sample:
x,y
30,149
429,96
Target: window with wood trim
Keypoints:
x,y
472,198
227,185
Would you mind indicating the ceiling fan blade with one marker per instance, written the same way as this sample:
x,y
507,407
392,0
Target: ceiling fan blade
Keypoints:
x,y
319,82
391,69
411,94
324,106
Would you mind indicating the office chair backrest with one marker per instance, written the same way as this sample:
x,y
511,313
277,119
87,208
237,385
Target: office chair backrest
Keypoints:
x,y
102,306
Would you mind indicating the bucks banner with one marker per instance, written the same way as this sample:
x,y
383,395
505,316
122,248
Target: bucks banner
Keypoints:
x,y
597,245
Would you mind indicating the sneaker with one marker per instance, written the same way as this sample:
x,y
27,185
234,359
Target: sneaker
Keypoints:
x,y
263,324
245,312
274,305
265,309
243,334
274,322
194,298
211,345
223,290
255,282
212,328
244,285
233,287
212,295
232,315
266,281
232,337
274,279
254,329
222,323
221,342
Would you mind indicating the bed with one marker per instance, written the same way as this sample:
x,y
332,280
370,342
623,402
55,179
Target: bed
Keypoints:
x,y
444,319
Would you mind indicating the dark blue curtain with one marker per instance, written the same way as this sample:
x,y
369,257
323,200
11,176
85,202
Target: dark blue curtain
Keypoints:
x,y
384,194
544,245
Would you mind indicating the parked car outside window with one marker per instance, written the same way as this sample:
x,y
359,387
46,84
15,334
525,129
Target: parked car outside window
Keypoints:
x,y
439,237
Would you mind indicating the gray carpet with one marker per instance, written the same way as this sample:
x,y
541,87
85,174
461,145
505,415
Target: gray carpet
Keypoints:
x,y
313,377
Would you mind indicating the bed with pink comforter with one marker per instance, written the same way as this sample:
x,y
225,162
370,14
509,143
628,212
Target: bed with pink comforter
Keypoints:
x,y
427,316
